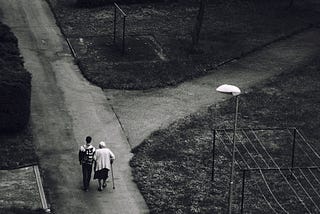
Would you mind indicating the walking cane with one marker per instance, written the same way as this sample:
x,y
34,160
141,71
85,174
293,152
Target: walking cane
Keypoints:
x,y
112,176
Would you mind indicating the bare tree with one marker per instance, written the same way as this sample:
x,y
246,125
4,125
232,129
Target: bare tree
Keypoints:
x,y
198,23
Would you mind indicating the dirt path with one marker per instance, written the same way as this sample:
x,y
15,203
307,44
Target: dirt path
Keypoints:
x,y
142,112
65,109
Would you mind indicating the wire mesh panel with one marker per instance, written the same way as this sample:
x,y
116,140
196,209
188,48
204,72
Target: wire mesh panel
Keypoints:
x,y
278,170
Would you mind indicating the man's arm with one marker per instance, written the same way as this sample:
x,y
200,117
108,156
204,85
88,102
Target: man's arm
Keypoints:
x,y
81,155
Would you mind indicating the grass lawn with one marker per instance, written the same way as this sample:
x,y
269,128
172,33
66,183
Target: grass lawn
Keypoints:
x,y
158,38
173,167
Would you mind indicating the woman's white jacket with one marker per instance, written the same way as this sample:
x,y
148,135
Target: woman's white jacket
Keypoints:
x,y
103,158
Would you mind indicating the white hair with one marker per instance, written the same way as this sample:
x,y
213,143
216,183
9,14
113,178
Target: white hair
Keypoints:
x,y
102,144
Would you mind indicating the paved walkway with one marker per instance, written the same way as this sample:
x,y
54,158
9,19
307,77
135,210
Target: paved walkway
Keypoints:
x,y
66,108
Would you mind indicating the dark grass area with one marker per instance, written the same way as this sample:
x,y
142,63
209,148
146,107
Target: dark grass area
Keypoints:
x,y
173,167
17,149
15,210
231,29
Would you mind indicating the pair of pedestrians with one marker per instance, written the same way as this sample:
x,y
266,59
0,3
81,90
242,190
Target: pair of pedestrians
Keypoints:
x,y
101,159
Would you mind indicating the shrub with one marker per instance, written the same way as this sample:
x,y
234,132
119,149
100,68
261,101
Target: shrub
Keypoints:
x,y
15,84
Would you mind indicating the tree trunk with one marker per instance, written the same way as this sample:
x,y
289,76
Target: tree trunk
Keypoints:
x,y
198,23
291,3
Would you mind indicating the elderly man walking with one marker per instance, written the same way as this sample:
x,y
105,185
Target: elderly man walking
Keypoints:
x,y
103,159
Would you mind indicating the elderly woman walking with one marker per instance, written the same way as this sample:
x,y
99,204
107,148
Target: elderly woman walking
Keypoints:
x,y
103,159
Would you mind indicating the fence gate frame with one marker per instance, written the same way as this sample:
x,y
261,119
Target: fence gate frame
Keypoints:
x,y
245,171
117,8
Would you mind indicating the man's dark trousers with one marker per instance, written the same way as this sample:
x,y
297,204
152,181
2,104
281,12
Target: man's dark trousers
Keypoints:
x,y
86,173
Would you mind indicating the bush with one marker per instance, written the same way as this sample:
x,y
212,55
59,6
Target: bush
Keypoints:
x,y
15,84
15,103
6,35
15,210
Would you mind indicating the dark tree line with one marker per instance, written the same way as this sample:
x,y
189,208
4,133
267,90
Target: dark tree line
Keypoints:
x,y
199,20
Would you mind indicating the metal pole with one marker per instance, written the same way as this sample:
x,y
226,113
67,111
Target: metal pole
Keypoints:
x,y
233,157
293,147
213,153
114,23
242,193
123,33
112,177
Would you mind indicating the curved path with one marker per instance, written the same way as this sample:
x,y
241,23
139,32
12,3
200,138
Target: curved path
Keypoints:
x,y
66,108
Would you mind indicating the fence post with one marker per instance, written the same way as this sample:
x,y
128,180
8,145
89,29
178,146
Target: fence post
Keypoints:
x,y
293,147
123,33
114,23
242,192
213,153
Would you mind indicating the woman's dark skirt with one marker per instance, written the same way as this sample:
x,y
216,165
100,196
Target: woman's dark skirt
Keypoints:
x,y
101,174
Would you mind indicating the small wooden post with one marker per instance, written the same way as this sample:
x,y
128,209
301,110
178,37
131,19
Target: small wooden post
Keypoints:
x,y
293,147
114,23
123,34
213,152
242,192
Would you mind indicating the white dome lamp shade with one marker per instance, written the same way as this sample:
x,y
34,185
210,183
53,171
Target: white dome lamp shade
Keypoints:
x,y
229,89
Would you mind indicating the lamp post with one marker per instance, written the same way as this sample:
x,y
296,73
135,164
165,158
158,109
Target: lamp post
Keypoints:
x,y
235,91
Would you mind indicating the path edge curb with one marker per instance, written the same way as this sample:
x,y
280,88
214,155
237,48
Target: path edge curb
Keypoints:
x,y
40,189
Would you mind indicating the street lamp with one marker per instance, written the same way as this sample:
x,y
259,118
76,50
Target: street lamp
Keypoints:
x,y
235,91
